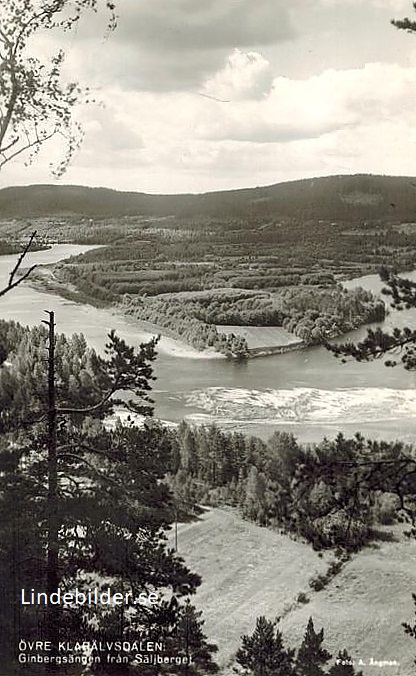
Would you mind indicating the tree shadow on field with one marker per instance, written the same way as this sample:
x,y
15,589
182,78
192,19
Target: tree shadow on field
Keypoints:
x,y
379,535
188,514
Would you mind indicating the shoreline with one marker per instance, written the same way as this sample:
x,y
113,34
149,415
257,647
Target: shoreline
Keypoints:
x,y
44,280
172,345
256,352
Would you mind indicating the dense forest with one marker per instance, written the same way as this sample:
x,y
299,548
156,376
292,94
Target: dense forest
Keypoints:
x,y
312,316
360,197
120,488
269,257
304,490
82,506
329,494
8,248
167,279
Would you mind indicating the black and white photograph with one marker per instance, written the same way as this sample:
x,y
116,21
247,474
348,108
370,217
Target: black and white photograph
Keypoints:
x,y
208,337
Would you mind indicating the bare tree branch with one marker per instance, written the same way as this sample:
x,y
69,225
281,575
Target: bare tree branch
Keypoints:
x,y
12,283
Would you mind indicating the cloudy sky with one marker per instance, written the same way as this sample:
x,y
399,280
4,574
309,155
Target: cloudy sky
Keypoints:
x,y
200,95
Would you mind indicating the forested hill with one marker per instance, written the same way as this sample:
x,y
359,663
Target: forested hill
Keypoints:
x,y
333,198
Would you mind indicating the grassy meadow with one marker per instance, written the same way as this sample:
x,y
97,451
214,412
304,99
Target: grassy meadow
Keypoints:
x,y
249,571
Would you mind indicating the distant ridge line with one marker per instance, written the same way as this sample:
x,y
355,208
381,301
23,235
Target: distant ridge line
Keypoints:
x,y
339,197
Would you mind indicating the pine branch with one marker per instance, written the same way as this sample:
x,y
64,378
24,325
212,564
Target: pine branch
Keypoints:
x,y
406,23
93,407
79,458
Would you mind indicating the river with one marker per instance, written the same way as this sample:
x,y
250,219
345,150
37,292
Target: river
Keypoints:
x,y
309,392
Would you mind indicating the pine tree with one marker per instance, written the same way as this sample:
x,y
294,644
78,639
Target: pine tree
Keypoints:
x,y
344,666
311,655
111,507
379,343
254,504
188,633
406,23
188,451
263,653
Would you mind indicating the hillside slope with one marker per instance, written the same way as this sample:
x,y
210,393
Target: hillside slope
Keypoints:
x,y
357,197
248,571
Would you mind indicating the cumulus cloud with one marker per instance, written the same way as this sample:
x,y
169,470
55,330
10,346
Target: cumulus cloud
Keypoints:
x,y
207,94
246,75
170,45
330,123
338,121
312,107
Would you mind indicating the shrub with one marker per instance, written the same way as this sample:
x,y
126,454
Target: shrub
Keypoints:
x,y
385,508
319,582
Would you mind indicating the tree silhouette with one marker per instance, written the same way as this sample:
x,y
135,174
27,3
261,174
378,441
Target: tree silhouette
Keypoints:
x,y
263,653
82,505
344,666
311,655
189,635
35,103
406,23
378,343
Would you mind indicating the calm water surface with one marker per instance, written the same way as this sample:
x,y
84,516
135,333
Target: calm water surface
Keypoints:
x,y
307,392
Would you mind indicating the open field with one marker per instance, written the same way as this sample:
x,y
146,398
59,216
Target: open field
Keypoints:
x,y
249,571
246,571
